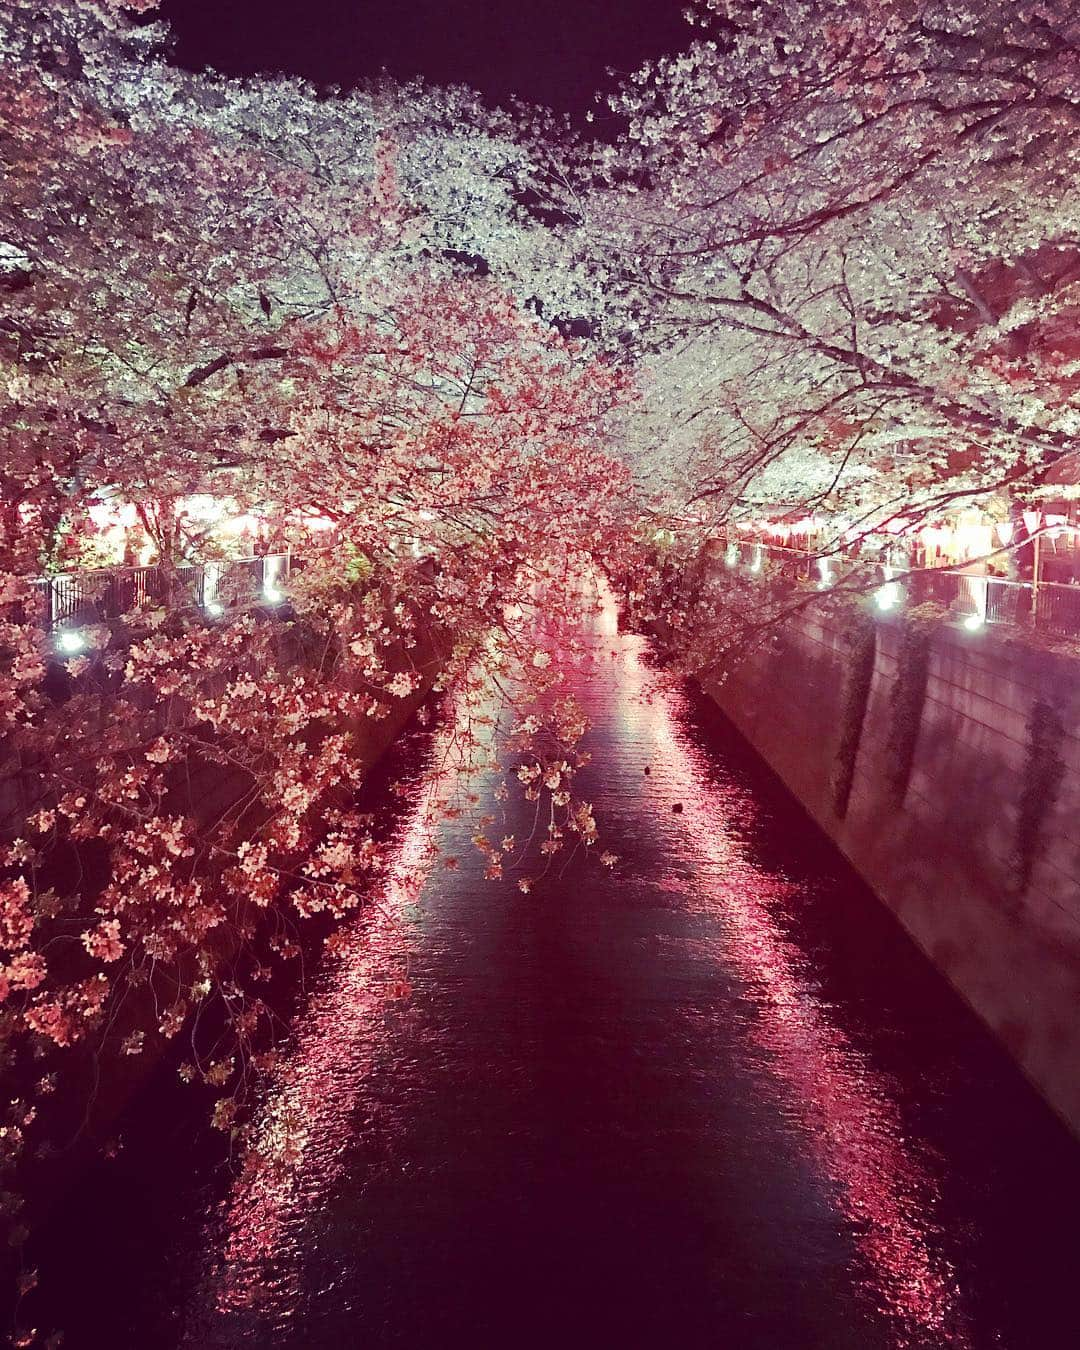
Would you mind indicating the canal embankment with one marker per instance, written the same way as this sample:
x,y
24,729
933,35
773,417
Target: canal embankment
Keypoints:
x,y
945,764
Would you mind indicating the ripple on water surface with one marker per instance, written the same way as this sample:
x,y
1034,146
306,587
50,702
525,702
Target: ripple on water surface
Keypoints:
x,y
713,1098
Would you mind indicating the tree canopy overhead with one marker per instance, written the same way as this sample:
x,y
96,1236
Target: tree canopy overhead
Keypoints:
x,y
835,241
845,242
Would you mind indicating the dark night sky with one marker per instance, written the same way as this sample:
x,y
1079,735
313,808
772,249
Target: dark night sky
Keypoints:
x,y
545,51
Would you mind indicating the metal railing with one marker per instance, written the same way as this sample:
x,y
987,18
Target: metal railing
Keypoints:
x,y
76,599
1050,606
1058,608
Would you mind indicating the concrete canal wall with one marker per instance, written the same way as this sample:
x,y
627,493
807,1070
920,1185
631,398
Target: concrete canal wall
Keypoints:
x,y
946,766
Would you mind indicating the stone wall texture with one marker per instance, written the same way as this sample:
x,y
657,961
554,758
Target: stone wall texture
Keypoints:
x,y
978,851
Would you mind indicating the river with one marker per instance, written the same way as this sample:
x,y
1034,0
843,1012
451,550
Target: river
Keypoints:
x,y
711,1097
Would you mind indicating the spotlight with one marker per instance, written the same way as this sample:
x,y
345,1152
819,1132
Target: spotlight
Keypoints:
x,y
71,642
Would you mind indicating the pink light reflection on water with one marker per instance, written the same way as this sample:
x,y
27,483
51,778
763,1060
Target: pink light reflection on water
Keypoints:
x,y
841,1105
308,1121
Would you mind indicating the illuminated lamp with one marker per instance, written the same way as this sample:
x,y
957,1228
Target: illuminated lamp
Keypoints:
x,y
823,572
888,596
202,506
974,622
244,524
272,594
974,540
71,642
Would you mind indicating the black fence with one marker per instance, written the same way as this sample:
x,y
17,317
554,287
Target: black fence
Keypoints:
x,y
75,599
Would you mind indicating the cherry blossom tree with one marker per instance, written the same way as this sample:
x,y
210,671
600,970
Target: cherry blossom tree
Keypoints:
x,y
250,292
839,240
840,236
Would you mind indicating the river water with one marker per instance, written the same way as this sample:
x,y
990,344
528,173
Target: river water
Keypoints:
x,y
712,1097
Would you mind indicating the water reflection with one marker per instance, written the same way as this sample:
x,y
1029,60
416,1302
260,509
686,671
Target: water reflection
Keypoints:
x,y
624,1110
308,1122
845,1109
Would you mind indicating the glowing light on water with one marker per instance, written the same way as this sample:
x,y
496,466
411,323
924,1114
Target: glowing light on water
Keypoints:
x,y
308,1120
842,1112
845,1112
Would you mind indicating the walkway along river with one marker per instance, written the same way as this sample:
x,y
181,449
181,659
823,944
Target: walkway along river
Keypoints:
x,y
711,1098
